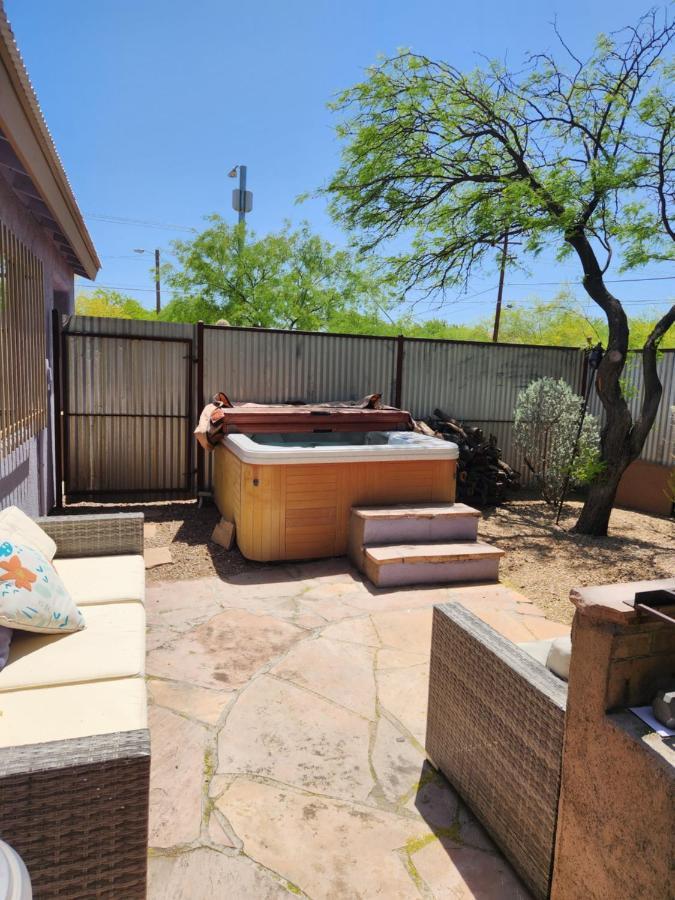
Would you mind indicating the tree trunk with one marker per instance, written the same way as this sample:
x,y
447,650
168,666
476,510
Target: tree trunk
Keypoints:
x,y
594,517
616,449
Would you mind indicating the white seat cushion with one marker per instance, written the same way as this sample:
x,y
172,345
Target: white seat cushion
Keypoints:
x,y
18,527
103,579
112,645
537,649
38,715
558,659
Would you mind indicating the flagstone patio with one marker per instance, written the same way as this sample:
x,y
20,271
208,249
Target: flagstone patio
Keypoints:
x,y
287,716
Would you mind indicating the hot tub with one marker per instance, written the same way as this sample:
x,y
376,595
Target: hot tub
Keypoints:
x,y
290,495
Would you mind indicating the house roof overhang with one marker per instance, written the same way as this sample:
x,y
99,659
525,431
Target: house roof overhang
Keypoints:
x,y
31,164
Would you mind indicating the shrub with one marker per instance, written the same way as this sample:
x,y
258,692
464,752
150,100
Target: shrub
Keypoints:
x,y
545,428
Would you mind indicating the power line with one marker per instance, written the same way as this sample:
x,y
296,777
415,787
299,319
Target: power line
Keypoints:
x,y
121,220
606,280
115,287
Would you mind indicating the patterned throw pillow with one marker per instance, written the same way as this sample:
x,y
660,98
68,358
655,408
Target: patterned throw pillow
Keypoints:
x,y
32,596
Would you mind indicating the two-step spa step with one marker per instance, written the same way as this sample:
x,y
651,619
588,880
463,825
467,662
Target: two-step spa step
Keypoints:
x,y
420,544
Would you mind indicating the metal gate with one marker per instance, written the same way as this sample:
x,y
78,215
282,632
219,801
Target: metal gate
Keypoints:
x,y
127,406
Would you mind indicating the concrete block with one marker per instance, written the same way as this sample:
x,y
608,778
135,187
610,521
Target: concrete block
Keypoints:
x,y
223,534
664,706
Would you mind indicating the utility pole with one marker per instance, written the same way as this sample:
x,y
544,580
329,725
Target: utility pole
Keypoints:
x,y
242,195
158,299
500,289
242,200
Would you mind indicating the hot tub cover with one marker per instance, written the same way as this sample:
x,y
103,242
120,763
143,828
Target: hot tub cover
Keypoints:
x,y
369,414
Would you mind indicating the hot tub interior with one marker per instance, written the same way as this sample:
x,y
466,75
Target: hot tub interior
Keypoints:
x,y
327,438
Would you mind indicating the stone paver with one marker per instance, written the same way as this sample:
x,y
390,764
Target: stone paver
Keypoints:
x,y
201,873
327,848
224,652
288,715
397,763
191,701
403,693
176,778
340,671
463,873
279,731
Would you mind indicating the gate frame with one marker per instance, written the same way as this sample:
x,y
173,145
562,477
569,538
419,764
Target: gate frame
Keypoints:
x,y
61,412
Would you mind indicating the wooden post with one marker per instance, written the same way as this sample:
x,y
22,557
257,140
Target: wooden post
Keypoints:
x,y
500,290
158,297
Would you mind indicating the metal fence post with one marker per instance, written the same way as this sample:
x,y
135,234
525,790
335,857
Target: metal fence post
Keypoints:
x,y
398,389
58,404
200,403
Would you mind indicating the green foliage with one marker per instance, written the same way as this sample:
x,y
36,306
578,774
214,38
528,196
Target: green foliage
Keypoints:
x,y
111,304
555,323
293,279
546,422
557,150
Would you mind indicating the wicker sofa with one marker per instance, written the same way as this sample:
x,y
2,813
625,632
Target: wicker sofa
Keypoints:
x,y
495,729
74,744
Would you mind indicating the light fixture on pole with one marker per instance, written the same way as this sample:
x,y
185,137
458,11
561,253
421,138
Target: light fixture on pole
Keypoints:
x,y
242,200
158,299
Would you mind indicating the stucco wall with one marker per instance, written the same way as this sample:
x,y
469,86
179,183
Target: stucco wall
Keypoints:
x,y
644,487
27,474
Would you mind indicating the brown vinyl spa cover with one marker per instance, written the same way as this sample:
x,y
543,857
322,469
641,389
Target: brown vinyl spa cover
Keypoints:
x,y
257,418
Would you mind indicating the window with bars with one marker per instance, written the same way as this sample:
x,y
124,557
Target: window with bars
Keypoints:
x,y
23,376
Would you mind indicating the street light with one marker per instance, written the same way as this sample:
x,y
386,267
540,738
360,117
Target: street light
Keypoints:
x,y
158,300
242,200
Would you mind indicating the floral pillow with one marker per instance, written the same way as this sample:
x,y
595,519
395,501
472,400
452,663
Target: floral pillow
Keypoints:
x,y
32,596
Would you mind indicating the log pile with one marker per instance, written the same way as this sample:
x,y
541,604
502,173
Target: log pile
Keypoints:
x,y
483,478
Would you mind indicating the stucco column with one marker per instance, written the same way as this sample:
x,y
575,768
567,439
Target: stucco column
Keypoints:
x,y
616,816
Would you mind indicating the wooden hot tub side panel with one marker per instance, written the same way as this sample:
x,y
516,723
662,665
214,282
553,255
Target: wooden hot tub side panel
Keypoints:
x,y
302,511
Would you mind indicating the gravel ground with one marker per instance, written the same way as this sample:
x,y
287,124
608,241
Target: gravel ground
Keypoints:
x,y
543,561
186,531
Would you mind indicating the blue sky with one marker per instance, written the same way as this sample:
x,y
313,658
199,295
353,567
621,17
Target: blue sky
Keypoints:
x,y
151,102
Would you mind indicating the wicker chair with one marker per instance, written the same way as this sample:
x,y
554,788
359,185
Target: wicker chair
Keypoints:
x,y
495,729
77,810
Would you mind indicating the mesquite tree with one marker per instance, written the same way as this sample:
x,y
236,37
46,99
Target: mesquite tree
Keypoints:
x,y
567,152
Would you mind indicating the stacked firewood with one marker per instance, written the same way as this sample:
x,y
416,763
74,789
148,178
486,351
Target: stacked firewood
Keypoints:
x,y
483,478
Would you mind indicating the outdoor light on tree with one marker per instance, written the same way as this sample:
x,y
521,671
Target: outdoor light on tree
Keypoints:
x,y
158,298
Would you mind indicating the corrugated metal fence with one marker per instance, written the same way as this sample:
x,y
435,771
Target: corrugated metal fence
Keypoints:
x,y
660,444
479,383
285,366
133,390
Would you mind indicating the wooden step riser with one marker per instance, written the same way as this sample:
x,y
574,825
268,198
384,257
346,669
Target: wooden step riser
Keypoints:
x,y
451,572
412,530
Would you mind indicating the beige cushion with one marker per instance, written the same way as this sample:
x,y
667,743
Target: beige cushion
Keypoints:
x,y
103,579
111,646
537,649
19,527
558,659
72,711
